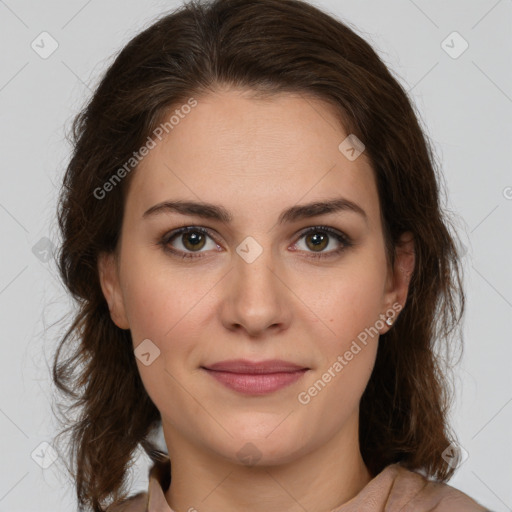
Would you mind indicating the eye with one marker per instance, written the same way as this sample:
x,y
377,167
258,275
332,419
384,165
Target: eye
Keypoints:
x,y
194,238
319,237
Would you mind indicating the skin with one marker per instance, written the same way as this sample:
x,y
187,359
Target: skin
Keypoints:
x,y
255,157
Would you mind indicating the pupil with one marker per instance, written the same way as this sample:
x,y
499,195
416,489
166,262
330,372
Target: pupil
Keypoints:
x,y
194,238
318,240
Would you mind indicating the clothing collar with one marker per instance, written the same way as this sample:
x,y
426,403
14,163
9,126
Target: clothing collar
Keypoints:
x,y
159,481
393,489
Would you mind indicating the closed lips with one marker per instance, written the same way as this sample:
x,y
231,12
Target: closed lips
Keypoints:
x,y
256,378
251,367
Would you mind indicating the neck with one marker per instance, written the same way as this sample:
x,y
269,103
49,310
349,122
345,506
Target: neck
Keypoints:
x,y
318,481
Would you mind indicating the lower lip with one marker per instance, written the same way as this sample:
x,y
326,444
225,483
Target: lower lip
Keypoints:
x,y
256,384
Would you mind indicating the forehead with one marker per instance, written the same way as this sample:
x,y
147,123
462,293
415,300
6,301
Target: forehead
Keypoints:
x,y
254,156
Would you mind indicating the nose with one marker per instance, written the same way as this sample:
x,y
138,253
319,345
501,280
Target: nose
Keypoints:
x,y
256,298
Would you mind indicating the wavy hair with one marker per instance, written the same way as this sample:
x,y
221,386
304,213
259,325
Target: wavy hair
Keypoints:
x,y
267,46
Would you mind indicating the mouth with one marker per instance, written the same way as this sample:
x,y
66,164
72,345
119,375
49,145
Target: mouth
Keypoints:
x,y
255,378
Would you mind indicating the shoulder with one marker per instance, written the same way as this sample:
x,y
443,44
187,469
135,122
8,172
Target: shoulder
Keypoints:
x,y
415,492
137,503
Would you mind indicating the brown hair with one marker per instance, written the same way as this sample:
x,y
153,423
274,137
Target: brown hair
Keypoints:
x,y
267,46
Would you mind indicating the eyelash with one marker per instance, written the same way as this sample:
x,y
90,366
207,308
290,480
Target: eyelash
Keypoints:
x,y
340,237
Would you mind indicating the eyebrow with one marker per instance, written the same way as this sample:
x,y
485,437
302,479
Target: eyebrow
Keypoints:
x,y
292,214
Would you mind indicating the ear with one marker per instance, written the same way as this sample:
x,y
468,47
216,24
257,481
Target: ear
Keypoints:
x,y
109,280
397,286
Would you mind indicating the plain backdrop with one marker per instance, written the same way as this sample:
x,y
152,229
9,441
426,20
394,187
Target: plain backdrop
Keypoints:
x,y
461,86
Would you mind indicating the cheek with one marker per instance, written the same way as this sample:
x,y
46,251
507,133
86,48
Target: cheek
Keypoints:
x,y
156,295
350,308
158,312
164,306
347,349
348,302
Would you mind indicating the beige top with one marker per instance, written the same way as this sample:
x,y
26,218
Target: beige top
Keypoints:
x,y
395,489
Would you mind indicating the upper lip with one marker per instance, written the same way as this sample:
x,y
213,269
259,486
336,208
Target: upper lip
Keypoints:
x,y
247,366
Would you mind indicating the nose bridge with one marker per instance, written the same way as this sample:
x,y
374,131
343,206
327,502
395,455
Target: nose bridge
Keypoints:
x,y
254,266
256,293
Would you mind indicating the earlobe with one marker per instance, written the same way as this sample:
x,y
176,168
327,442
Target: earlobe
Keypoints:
x,y
109,281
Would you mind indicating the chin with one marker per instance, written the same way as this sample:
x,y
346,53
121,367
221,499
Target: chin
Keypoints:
x,y
272,450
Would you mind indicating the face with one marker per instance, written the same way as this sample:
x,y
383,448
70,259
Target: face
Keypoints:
x,y
259,286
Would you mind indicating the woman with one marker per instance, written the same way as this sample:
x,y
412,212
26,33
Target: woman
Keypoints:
x,y
251,225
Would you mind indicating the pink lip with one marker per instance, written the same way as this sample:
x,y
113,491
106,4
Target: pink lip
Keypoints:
x,y
255,378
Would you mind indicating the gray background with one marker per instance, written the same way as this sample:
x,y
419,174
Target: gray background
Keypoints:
x,y
464,102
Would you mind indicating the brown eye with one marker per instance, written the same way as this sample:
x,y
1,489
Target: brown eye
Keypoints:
x,y
316,241
320,237
192,240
